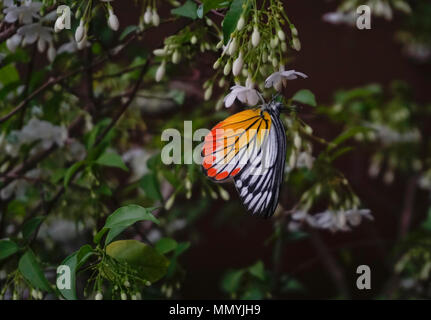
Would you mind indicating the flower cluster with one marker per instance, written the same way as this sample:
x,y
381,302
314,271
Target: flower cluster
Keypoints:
x,y
33,27
256,48
184,45
346,11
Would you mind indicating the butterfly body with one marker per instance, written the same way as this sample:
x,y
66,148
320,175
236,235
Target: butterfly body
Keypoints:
x,y
250,148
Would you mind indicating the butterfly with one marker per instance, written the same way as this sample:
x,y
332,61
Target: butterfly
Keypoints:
x,y
250,148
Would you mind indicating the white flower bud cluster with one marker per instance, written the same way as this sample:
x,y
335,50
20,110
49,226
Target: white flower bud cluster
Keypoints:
x,y
149,17
183,45
256,48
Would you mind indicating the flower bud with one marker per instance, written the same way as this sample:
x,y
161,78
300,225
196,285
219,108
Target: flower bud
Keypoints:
x,y
79,33
41,45
176,57
193,40
208,93
123,296
216,64
281,35
160,52
156,18
98,296
227,68
148,16
237,65
232,47
224,194
297,141
170,202
113,22
255,37
59,24
241,23
160,73
296,44
51,53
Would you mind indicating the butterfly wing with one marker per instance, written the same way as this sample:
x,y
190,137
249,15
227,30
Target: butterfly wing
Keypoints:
x,y
233,143
259,182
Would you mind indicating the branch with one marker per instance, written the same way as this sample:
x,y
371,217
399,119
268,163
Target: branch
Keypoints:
x,y
330,263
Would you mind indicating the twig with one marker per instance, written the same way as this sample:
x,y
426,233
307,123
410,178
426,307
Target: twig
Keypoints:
x,y
330,263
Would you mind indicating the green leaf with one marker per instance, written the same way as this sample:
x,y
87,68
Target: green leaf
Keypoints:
x,y
75,261
150,264
8,75
7,248
427,223
128,30
209,5
305,97
30,226
99,235
165,245
32,271
188,10
231,19
252,294
349,133
71,171
111,159
258,270
150,184
232,280
128,215
113,233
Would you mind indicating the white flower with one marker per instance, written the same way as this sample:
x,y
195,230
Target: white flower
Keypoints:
x,y
23,13
60,23
35,31
341,220
69,47
137,159
45,131
246,95
305,160
13,42
113,22
338,17
354,216
279,79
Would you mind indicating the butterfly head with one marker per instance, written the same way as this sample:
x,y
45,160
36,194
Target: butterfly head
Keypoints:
x,y
274,106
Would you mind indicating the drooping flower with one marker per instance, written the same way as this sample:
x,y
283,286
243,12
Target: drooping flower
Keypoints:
x,y
341,220
337,17
279,79
35,31
23,13
247,95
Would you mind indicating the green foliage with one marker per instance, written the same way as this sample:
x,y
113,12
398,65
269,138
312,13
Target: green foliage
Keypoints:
x,y
306,97
32,271
231,19
188,10
7,248
148,263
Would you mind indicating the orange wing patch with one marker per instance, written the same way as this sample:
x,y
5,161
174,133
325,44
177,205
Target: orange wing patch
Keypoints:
x,y
230,143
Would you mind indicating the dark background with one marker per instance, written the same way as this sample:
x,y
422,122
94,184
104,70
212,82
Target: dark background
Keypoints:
x,y
334,57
